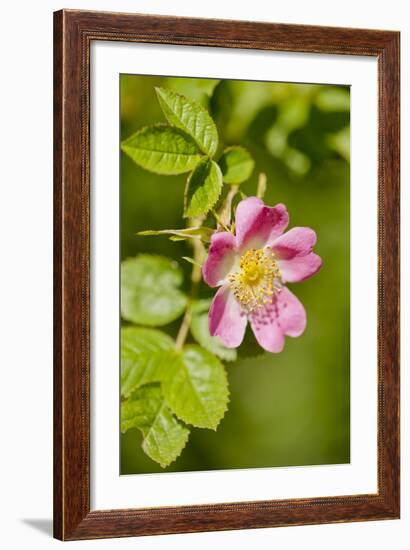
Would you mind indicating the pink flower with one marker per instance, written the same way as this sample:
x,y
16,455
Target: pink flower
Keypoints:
x,y
251,268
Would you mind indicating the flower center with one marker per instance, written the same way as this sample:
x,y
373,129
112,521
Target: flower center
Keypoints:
x,y
257,280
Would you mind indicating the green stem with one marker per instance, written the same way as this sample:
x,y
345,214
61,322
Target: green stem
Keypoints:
x,y
195,280
183,329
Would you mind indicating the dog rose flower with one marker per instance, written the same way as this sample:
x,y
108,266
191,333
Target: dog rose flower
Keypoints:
x,y
251,268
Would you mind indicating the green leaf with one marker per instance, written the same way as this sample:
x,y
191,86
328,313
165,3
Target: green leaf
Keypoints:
x,y
149,290
190,117
203,188
164,436
236,165
200,306
202,232
196,388
143,353
162,149
200,331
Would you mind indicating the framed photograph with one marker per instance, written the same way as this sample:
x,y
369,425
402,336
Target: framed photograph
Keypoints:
x,y
226,288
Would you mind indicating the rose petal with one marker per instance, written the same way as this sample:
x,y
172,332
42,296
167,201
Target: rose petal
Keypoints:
x,y
221,257
257,224
226,319
299,241
285,315
267,332
299,268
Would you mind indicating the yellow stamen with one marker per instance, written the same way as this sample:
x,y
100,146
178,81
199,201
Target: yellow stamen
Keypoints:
x,y
257,280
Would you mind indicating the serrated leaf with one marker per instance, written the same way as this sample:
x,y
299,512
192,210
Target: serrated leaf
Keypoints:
x,y
149,290
188,233
200,331
190,117
203,188
143,354
236,165
164,436
196,388
162,149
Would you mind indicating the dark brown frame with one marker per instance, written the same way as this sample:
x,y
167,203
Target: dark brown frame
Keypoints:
x,y
73,33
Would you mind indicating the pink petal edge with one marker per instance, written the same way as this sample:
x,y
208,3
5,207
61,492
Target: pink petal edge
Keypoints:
x,y
226,319
257,224
300,268
298,241
221,256
284,316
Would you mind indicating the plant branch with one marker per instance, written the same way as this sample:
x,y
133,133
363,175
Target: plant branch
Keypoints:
x,y
183,329
199,252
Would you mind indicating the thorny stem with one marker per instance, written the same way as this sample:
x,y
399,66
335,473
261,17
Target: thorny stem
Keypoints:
x,y
195,280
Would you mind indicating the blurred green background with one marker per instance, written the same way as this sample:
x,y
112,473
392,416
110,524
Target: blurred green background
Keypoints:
x,y
292,408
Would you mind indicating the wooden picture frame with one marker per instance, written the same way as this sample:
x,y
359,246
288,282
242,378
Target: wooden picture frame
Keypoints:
x,y
73,33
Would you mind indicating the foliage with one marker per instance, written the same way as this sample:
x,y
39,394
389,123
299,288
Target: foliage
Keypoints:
x,y
203,188
167,385
236,165
196,387
164,436
163,383
150,292
191,118
143,354
188,144
163,149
